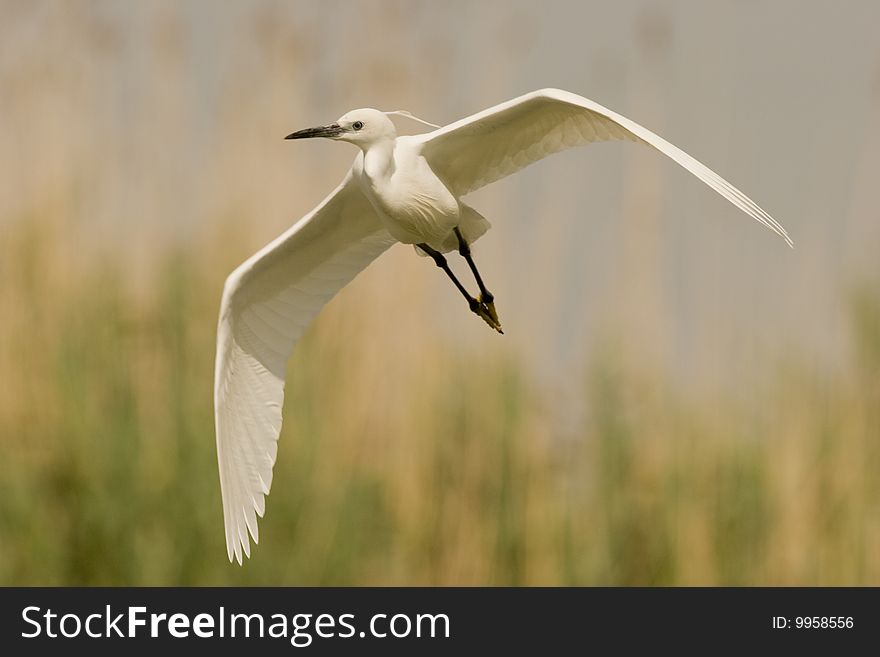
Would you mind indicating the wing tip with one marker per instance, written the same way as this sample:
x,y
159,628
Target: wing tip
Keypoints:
x,y
238,538
234,550
779,230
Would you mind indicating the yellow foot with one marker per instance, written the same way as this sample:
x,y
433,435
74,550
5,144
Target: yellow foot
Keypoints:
x,y
488,314
488,302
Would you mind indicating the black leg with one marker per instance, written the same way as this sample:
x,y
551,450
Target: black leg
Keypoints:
x,y
440,261
486,297
476,306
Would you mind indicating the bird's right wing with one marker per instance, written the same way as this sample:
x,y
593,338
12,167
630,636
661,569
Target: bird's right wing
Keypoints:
x,y
267,304
503,139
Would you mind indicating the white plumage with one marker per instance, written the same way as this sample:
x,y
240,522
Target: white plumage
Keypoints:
x,y
407,189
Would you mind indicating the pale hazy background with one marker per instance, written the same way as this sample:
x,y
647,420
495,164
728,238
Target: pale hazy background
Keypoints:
x,y
135,132
181,106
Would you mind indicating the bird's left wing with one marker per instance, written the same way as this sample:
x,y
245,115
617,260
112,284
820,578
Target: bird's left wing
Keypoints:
x,y
267,304
501,140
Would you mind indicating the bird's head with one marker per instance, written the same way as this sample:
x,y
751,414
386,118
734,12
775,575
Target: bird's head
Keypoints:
x,y
361,127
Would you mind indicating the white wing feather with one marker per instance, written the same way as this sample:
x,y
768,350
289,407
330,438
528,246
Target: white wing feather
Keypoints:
x,y
501,140
267,304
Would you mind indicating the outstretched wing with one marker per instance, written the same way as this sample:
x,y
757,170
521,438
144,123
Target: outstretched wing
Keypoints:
x,y
501,140
267,304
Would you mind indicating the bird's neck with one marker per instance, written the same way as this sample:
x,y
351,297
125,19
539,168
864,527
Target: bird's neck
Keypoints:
x,y
379,160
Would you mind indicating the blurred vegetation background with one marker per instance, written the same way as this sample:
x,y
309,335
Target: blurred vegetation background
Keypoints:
x,y
678,399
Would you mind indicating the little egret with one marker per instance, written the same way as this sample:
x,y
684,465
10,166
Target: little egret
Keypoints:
x,y
399,189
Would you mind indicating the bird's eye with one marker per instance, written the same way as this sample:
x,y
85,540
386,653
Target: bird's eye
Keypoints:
x,y
357,125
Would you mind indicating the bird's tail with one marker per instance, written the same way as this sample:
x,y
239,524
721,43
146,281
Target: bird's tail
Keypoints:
x,y
473,226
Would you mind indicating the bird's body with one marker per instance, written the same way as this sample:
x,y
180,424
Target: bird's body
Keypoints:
x,y
400,189
412,203
410,200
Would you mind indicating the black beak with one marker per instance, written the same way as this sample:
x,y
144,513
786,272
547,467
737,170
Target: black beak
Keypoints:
x,y
332,130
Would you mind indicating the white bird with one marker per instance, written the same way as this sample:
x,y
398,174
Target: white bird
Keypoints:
x,y
399,189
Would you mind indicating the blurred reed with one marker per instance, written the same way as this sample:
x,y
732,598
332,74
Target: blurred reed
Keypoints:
x,y
404,460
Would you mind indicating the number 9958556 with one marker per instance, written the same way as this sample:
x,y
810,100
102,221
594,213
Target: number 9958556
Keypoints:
x,y
823,622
